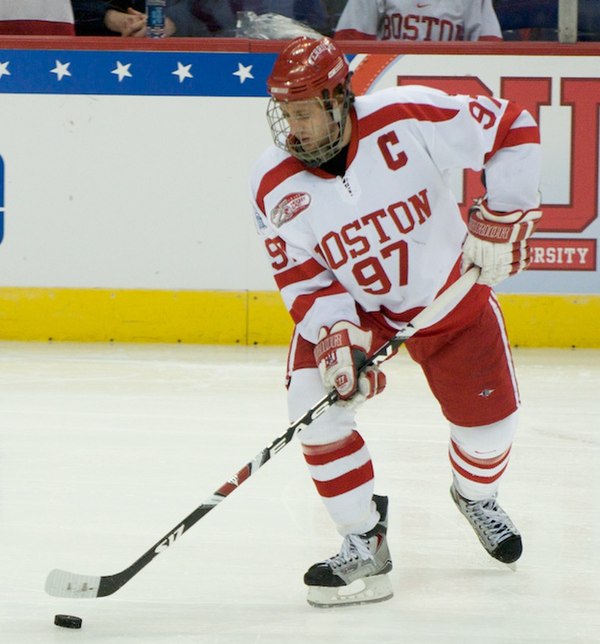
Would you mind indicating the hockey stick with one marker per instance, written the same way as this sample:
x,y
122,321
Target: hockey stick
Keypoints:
x,y
61,583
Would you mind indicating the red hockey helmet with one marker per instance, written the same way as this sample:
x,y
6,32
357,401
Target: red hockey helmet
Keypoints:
x,y
307,68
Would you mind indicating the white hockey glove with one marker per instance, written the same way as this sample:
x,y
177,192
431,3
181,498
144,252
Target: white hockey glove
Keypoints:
x,y
339,353
497,242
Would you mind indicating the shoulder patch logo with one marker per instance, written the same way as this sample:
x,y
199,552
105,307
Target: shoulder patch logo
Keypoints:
x,y
289,207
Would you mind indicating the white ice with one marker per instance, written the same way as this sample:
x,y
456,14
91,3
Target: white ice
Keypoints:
x,y
105,448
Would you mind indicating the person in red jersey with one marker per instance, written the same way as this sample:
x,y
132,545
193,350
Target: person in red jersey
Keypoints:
x,y
362,231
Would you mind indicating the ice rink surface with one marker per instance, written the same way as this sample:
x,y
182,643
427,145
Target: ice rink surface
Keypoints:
x,y
105,448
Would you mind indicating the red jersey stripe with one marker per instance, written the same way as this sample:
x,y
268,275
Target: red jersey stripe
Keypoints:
x,y
521,135
303,303
402,111
287,168
508,118
352,34
36,28
305,271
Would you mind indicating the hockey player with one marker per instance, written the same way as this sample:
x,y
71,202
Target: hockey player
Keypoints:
x,y
410,20
362,231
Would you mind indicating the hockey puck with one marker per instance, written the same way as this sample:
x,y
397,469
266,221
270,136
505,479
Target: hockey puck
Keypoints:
x,y
68,621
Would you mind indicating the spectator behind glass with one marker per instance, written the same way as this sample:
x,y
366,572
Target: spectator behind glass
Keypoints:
x,y
36,17
185,18
311,12
411,20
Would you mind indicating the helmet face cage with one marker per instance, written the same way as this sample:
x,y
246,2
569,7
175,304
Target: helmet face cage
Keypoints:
x,y
330,143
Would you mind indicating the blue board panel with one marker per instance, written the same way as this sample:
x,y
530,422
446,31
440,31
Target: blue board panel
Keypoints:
x,y
134,73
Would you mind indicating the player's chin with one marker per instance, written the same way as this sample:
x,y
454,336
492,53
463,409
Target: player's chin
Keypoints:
x,y
307,145
301,149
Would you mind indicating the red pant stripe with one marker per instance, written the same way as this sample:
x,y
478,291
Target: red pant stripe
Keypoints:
x,y
323,454
346,482
488,465
474,477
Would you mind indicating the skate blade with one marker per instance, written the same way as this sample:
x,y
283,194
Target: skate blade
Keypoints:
x,y
361,591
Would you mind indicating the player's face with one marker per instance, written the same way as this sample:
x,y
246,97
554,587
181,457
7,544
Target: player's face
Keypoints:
x,y
309,123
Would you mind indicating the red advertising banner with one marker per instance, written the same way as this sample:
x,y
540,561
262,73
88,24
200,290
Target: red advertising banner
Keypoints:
x,y
563,254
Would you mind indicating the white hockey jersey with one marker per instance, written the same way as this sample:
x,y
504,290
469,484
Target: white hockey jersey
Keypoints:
x,y
412,20
37,17
388,234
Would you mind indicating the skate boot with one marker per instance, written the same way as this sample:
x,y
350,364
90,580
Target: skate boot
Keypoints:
x,y
357,575
492,525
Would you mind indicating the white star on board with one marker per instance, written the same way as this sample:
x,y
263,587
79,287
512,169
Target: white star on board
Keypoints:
x,y
243,72
182,72
122,71
61,70
4,69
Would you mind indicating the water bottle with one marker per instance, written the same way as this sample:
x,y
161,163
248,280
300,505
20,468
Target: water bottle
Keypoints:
x,y
155,18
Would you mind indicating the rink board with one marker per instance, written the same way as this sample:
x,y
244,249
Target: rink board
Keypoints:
x,y
257,317
124,211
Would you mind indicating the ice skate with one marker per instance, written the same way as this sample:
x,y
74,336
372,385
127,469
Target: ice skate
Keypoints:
x,y
357,575
492,525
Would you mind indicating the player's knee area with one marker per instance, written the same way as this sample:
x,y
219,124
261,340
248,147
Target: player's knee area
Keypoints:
x,y
486,441
305,389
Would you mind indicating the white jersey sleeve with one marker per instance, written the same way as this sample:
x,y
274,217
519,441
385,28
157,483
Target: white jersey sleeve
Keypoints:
x,y
478,132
